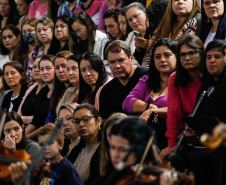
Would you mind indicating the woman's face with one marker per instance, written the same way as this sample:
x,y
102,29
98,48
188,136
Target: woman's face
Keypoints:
x,y
22,7
68,127
215,63
13,130
89,74
47,71
122,23
182,7
44,33
10,40
112,27
35,70
79,30
86,124
12,76
4,8
119,148
165,60
60,69
136,19
190,59
27,28
73,72
61,31
214,9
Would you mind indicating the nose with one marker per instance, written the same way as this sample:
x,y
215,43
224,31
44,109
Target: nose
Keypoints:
x,y
61,70
163,59
108,29
12,133
187,57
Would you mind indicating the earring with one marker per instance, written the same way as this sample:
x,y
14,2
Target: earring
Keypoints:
x,y
98,128
208,19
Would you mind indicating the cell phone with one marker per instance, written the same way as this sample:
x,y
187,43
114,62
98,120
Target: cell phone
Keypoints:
x,y
137,34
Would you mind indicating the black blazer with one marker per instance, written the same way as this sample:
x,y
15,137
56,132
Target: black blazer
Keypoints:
x,y
16,102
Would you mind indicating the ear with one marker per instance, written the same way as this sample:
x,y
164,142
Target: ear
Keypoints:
x,y
131,58
99,122
61,145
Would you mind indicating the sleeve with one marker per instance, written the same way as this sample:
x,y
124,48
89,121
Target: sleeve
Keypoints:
x,y
103,9
174,112
31,12
104,107
138,92
193,25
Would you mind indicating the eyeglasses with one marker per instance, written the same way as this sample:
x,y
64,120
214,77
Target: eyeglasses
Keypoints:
x,y
67,118
84,119
207,4
191,54
79,31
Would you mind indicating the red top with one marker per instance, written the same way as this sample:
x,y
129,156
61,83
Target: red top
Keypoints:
x,y
180,102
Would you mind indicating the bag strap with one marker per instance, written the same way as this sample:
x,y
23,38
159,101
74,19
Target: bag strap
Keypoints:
x,y
148,102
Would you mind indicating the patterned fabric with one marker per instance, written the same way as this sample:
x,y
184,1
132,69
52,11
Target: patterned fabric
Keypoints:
x,y
64,9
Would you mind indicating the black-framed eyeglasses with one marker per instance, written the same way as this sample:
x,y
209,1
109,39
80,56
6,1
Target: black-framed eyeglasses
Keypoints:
x,y
84,119
191,54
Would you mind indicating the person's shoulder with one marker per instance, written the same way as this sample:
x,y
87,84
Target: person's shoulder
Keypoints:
x,y
35,3
100,35
142,70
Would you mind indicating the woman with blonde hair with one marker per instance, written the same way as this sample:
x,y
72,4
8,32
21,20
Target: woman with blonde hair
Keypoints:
x,y
181,17
43,36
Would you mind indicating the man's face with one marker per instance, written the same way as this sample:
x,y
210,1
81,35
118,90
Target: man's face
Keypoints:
x,y
120,64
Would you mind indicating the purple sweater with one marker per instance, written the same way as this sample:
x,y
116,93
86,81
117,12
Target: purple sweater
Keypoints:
x,y
141,91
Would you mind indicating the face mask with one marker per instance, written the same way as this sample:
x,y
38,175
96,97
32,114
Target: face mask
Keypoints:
x,y
29,38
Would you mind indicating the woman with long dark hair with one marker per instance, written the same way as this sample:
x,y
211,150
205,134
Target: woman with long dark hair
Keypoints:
x,y
155,86
13,135
60,36
183,87
85,37
92,78
10,37
8,13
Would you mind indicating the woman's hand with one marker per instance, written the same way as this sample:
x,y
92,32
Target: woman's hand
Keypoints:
x,y
17,171
166,151
141,43
9,141
218,130
146,115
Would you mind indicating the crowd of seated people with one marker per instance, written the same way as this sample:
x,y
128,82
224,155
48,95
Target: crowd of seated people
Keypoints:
x,y
121,75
